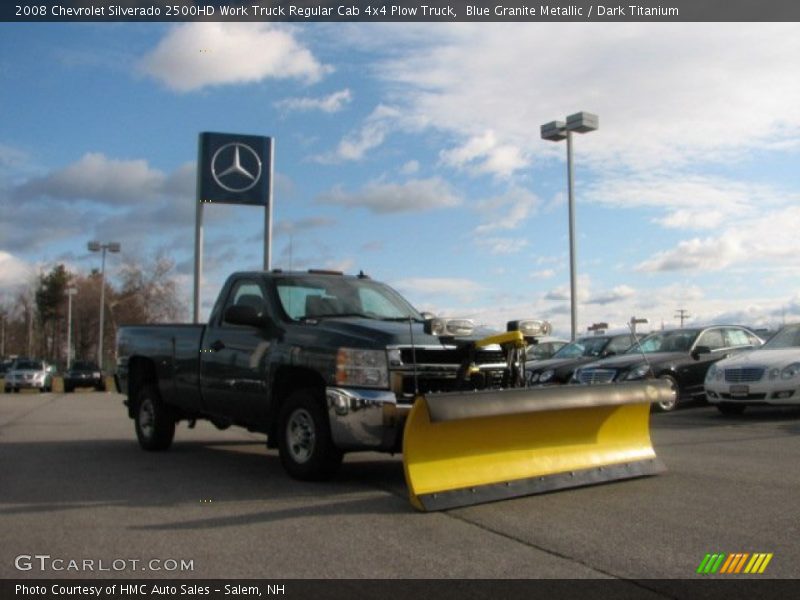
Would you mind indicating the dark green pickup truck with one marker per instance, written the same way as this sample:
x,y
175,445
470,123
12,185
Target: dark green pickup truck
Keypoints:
x,y
320,362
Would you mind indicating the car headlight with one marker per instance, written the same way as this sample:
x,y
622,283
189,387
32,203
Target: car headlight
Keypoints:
x,y
38,377
638,372
97,375
790,371
711,374
362,368
533,377
546,375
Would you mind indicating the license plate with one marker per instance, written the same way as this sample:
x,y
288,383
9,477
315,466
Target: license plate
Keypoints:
x,y
740,390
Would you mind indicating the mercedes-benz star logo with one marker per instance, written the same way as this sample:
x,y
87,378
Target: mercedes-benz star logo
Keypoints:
x,y
243,170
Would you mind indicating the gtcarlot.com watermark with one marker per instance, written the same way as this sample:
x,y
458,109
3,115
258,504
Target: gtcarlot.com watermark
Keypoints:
x,y
47,563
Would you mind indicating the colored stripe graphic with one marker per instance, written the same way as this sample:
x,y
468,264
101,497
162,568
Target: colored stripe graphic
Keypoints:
x,y
734,564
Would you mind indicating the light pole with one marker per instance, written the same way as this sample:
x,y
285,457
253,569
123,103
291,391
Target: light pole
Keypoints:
x,y
70,292
98,247
555,131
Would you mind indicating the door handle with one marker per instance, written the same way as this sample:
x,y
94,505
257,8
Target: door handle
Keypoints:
x,y
217,346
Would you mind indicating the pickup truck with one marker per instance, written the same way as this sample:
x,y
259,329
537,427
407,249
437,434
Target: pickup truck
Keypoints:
x,y
320,362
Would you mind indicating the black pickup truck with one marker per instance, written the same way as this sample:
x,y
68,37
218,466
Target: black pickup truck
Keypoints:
x,y
320,362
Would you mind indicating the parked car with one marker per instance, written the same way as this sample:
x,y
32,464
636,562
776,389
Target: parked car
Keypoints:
x,y
680,356
29,373
84,373
545,348
560,367
768,375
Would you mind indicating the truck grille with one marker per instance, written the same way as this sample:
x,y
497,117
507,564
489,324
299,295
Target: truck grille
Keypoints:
x,y
596,376
744,374
449,356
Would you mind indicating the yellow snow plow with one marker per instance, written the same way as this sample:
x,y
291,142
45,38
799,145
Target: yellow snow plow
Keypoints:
x,y
464,448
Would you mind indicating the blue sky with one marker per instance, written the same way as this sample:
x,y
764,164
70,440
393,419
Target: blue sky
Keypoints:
x,y
412,151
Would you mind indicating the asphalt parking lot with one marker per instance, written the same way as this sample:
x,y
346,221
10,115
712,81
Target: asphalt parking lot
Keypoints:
x,y
74,486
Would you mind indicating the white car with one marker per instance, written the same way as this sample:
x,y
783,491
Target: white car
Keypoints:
x,y
768,375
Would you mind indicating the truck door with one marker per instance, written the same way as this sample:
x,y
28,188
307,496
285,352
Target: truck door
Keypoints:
x,y
234,359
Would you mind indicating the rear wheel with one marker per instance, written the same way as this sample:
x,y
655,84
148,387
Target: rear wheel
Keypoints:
x,y
305,445
154,422
730,409
668,405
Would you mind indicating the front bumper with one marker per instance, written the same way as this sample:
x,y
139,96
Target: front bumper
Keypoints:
x,y
25,384
364,419
78,381
759,392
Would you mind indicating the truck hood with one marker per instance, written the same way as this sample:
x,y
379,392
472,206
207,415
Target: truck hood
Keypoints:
x,y
373,333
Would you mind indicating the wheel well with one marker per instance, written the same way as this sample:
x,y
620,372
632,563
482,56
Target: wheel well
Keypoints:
x,y
287,380
141,372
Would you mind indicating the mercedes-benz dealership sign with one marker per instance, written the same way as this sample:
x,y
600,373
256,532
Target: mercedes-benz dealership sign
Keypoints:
x,y
234,169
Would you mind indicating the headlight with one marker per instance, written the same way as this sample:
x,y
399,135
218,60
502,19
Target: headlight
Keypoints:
x,y
96,375
38,376
530,327
639,372
533,377
546,376
362,368
790,371
712,372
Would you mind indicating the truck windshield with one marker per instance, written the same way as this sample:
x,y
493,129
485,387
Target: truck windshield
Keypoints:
x,y
326,297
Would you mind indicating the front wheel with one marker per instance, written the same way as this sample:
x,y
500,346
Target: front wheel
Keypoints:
x,y
305,445
154,423
668,405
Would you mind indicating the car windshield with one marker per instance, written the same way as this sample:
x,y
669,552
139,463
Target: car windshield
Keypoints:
x,y
82,365
676,340
788,337
33,365
310,297
591,346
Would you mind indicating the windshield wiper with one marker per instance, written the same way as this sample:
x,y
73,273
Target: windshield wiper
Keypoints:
x,y
335,315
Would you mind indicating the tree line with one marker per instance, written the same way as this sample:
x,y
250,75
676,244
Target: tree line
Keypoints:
x,y
34,319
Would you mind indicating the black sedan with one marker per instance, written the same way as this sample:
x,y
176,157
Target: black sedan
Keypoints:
x,y
560,367
680,356
84,374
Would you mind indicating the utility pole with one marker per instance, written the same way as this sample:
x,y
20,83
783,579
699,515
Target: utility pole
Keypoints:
x,y
682,314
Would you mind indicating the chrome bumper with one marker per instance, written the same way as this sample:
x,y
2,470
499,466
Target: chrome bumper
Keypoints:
x,y
366,419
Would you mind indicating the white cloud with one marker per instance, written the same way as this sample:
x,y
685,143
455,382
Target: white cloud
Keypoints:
x,y
710,254
499,245
507,212
13,271
485,154
371,134
196,55
619,293
383,198
328,104
666,93
96,177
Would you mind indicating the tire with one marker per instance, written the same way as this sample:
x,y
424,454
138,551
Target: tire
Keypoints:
x,y
729,409
154,422
304,438
668,406
100,387
68,389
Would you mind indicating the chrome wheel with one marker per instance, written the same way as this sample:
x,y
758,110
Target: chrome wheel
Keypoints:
x,y
300,435
146,418
669,405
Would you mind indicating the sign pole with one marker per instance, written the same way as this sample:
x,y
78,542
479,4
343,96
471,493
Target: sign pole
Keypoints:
x,y
268,211
198,259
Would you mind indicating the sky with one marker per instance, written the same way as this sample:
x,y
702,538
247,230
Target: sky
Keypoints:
x,y
412,151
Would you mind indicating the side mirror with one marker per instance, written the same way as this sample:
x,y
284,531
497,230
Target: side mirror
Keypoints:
x,y
607,353
244,315
700,350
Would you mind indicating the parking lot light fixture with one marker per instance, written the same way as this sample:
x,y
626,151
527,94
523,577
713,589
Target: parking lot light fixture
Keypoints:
x,y
555,131
95,246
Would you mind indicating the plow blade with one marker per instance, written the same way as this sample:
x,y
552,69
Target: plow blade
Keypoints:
x,y
468,448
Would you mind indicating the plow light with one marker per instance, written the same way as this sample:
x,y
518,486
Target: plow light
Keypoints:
x,y
449,327
530,327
